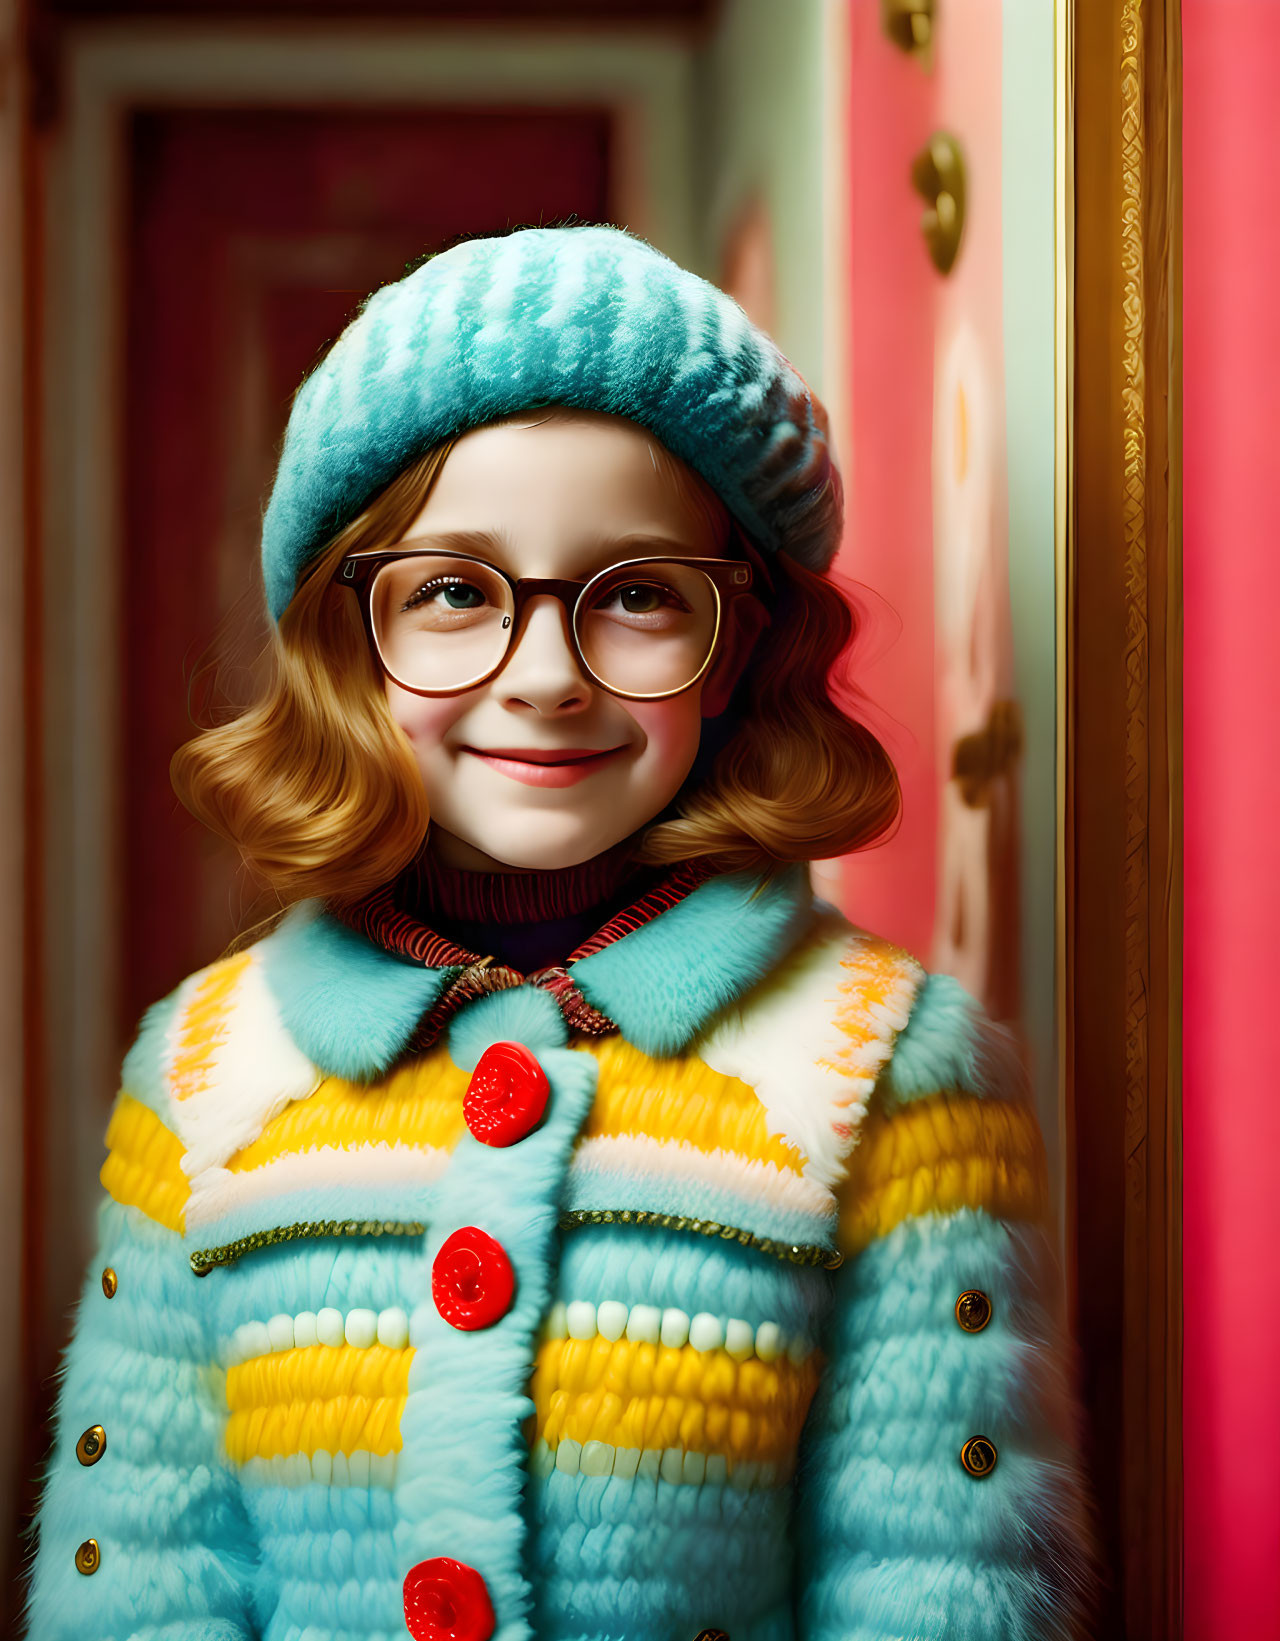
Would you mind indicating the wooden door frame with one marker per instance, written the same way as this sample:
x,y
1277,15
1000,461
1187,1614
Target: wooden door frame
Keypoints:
x,y
1120,759
20,819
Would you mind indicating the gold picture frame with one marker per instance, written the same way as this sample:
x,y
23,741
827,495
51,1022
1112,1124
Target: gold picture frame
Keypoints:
x,y
1120,810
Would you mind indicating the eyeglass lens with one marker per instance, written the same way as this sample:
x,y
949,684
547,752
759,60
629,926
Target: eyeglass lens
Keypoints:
x,y
444,623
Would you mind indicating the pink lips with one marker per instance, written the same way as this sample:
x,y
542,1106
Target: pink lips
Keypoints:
x,y
565,767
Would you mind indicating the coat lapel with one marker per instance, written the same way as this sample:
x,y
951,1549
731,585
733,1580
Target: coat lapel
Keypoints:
x,y
662,983
348,1005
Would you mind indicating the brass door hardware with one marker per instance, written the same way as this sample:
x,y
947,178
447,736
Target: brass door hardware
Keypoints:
x,y
938,176
986,754
908,23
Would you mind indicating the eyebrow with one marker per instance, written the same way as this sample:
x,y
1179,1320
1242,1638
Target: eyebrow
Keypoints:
x,y
497,544
461,541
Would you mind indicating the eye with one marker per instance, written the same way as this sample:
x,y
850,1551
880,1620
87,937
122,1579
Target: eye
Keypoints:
x,y
639,598
642,598
450,592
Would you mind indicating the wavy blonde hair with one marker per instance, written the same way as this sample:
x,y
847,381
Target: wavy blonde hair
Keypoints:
x,y
317,787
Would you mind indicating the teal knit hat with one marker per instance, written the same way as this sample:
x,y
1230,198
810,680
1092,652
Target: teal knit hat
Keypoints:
x,y
591,316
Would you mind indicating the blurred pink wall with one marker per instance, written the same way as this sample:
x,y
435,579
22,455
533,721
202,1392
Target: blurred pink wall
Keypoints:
x,y
889,541
1231,1120
927,496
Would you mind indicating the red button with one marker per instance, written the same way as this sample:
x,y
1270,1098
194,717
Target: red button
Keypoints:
x,y
472,1281
507,1094
445,1600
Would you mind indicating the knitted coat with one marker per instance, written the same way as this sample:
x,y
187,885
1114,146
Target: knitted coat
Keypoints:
x,y
781,1359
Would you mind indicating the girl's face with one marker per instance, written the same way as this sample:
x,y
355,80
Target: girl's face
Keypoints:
x,y
565,497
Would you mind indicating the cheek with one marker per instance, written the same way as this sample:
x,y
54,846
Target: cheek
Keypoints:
x,y
672,730
425,719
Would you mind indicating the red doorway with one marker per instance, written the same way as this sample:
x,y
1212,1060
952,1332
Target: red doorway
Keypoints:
x,y
252,237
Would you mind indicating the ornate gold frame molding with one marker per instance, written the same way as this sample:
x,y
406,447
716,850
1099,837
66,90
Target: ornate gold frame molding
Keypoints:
x,y
1122,830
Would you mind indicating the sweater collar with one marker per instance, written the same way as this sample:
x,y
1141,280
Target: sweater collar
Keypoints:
x,y
438,893
352,1006
438,917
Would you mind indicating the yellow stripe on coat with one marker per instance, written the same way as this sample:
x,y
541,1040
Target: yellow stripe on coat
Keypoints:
x,y
418,1104
939,1154
320,1398
680,1099
143,1167
634,1394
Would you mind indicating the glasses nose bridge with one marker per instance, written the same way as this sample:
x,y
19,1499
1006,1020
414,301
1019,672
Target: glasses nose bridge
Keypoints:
x,y
528,588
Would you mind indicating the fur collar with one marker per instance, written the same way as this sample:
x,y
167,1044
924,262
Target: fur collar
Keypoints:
x,y
351,1007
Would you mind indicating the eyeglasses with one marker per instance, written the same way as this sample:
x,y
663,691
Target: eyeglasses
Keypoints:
x,y
442,622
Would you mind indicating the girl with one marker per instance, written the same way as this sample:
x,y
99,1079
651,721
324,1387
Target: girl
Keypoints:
x,y
560,1224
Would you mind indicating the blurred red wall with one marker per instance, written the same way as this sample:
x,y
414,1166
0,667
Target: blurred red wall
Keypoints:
x,y
1231,795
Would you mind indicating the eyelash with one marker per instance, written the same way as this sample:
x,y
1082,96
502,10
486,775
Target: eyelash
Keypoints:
x,y
430,586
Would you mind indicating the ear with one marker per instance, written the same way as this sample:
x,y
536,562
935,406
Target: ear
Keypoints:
x,y
746,620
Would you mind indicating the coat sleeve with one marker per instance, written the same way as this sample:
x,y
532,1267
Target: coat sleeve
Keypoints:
x,y
941,1494
140,1530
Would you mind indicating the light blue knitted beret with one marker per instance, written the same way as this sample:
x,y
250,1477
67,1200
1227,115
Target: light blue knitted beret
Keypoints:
x,y
591,316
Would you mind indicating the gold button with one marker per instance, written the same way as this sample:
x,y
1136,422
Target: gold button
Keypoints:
x,y
973,1310
978,1456
92,1445
88,1558
109,1283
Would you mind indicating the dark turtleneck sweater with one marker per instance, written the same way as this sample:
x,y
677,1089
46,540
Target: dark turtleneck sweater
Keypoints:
x,y
527,919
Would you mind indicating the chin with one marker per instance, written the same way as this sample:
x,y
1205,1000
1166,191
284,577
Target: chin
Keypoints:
x,y
532,849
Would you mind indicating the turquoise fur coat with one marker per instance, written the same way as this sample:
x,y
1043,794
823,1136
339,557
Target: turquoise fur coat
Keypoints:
x,y
752,1329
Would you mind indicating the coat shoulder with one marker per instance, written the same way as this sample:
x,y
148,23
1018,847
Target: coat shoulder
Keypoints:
x,y
951,1044
846,1018
952,1124
947,1040
814,1035
207,1061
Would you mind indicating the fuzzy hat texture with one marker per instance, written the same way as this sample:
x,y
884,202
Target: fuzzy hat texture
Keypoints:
x,y
591,316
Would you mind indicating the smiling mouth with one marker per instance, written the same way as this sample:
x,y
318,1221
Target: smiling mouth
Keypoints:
x,y
530,755
545,769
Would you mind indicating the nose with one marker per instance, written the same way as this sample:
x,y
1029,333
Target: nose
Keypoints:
x,y
542,669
